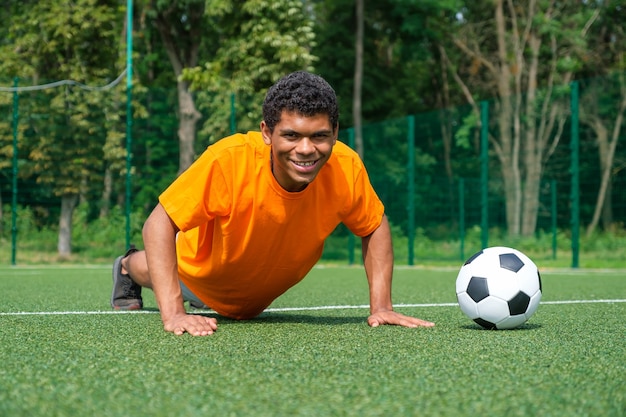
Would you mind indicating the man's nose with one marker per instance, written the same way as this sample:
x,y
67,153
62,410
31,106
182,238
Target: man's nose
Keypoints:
x,y
305,146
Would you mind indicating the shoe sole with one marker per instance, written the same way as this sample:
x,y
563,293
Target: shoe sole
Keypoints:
x,y
117,271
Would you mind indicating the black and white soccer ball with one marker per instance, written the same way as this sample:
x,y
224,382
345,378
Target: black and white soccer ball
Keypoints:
x,y
499,288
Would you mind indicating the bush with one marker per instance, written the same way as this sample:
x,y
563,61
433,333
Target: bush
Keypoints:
x,y
102,239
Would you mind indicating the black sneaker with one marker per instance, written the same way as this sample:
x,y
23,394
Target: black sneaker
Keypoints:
x,y
126,293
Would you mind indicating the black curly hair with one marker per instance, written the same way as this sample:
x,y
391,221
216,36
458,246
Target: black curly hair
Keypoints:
x,y
301,92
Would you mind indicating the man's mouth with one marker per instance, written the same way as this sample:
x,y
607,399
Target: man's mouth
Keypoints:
x,y
305,164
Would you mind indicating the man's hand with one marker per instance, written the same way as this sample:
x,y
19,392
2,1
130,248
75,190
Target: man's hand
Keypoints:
x,y
378,261
391,317
193,324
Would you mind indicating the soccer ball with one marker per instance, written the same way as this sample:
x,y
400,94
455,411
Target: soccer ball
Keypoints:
x,y
499,288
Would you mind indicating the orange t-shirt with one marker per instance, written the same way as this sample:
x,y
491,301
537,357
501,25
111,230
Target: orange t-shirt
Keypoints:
x,y
244,240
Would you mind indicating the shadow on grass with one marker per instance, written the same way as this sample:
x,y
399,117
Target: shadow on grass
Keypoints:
x,y
523,327
271,317
308,319
278,318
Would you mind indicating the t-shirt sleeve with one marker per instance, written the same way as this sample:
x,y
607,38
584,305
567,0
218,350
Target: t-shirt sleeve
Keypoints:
x,y
366,211
199,194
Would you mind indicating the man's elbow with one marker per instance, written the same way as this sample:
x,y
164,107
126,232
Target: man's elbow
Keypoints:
x,y
159,222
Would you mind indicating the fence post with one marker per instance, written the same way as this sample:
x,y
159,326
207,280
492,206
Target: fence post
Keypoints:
x,y
351,238
575,193
14,173
484,173
554,220
462,217
129,112
233,117
411,187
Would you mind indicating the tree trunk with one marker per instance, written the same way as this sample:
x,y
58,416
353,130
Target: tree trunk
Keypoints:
x,y
182,48
188,119
1,217
532,145
606,152
606,162
358,81
529,124
68,204
508,151
530,198
107,190
443,98
607,219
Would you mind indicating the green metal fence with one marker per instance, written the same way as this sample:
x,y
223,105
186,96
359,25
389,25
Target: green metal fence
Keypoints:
x,y
438,173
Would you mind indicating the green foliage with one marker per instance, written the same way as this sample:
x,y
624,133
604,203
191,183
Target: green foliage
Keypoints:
x,y
256,43
101,239
399,55
88,236
462,137
63,39
66,129
71,141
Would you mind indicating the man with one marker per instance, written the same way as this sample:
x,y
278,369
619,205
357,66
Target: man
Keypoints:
x,y
248,219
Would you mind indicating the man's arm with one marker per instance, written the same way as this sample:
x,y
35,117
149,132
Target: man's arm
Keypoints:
x,y
378,262
159,236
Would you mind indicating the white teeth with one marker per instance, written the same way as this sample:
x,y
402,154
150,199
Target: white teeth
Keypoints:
x,y
304,164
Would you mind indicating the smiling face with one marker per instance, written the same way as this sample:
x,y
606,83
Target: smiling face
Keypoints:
x,y
300,146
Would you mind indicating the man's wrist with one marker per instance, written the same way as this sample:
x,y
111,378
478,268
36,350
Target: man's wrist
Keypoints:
x,y
381,309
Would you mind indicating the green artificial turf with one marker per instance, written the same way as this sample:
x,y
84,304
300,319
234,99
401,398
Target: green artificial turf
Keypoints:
x,y
567,360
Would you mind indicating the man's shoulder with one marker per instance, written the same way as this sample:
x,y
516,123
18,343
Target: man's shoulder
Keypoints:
x,y
234,149
344,155
250,140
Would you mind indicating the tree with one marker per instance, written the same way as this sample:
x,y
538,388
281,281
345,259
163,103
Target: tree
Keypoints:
x,y
155,142
6,146
180,24
397,55
59,41
400,77
603,104
525,55
602,107
254,43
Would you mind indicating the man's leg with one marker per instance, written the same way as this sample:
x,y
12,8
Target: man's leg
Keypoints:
x,y
136,266
126,294
133,274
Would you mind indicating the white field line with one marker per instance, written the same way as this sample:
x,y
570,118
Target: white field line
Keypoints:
x,y
283,309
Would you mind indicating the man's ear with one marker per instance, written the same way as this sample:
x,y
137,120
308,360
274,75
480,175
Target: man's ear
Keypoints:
x,y
266,133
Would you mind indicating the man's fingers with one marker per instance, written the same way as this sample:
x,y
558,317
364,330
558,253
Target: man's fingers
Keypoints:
x,y
424,323
415,322
202,327
393,318
195,325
